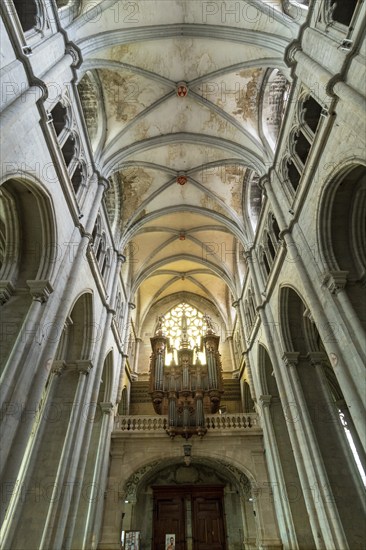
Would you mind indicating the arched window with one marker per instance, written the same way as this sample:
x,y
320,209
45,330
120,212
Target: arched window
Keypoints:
x,y
106,264
302,147
77,178
275,229
101,250
271,248
184,321
265,263
27,12
251,305
293,174
97,233
68,150
254,198
342,12
311,112
26,255
59,113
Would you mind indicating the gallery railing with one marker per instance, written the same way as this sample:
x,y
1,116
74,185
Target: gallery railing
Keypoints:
x,y
248,422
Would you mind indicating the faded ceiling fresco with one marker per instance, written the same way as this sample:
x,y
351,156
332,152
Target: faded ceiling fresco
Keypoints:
x,y
183,101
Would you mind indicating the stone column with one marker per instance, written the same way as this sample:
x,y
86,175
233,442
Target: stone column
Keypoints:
x,y
331,418
229,339
13,394
336,282
96,502
238,304
265,521
281,500
323,517
93,396
11,506
52,536
348,372
321,529
121,376
138,342
40,292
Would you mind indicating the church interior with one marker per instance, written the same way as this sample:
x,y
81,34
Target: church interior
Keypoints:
x,y
183,275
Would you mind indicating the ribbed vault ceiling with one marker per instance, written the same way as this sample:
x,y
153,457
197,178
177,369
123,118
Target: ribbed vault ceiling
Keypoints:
x,y
180,164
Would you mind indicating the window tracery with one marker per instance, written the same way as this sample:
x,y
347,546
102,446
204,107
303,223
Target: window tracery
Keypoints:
x,y
184,322
305,126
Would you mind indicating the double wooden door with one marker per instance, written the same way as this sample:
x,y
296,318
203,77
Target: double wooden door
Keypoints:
x,y
189,512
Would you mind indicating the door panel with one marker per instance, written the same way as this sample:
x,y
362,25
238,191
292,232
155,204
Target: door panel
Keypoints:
x,y
168,518
208,523
207,516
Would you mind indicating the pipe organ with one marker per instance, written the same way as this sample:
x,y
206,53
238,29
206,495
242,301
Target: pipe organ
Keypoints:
x,y
189,384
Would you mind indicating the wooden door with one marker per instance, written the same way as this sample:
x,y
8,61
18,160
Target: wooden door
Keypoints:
x,y
169,517
208,522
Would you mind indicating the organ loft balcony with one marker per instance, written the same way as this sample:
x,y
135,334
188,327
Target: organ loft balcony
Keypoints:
x,y
185,392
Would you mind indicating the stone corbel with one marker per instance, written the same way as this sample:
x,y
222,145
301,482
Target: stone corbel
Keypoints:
x,y
291,51
75,53
40,290
335,281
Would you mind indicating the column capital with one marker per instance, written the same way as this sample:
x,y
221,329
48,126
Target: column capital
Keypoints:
x,y
283,233
104,182
40,290
290,358
263,182
58,367
265,400
86,234
121,258
107,407
84,366
335,281
316,357
247,254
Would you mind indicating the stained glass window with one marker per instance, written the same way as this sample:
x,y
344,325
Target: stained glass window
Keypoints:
x,y
184,322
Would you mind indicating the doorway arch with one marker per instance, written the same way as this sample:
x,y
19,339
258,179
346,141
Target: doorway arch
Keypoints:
x,y
169,493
